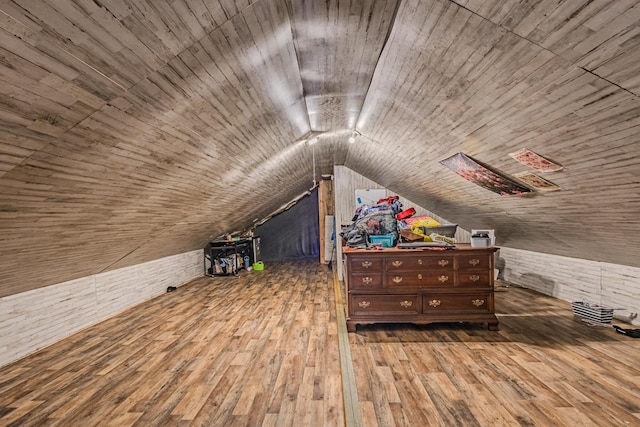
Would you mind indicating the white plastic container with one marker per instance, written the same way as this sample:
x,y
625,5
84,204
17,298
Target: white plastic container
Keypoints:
x,y
480,242
492,237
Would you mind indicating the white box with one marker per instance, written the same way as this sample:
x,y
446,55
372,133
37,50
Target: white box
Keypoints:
x,y
492,237
480,242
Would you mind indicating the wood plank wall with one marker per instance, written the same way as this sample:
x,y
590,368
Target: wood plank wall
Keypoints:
x,y
347,182
39,317
574,279
326,202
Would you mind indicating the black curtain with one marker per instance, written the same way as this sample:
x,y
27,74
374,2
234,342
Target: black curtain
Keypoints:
x,y
293,234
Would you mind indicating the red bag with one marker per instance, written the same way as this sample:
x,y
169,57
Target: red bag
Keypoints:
x,y
388,200
407,213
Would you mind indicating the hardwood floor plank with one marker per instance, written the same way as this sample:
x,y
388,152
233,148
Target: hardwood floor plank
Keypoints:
x,y
493,415
304,406
333,403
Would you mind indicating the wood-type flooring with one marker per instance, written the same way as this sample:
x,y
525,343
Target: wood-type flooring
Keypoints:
x,y
543,368
262,349
257,349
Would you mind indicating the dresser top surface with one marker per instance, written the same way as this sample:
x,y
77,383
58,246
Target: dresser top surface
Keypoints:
x,y
459,248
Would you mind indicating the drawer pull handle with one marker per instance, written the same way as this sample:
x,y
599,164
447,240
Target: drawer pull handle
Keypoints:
x,y
420,261
406,304
443,278
397,279
396,263
364,304
477,302
474,261
474,278
443,262
435,302
367,280
366,264
420,276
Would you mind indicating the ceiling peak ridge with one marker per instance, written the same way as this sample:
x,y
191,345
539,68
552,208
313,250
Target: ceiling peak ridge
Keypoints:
x,y
387,36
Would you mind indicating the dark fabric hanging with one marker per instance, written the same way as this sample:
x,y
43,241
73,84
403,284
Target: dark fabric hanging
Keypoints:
x,y
293,234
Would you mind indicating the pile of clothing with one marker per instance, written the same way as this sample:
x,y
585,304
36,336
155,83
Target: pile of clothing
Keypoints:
x,y
387,218
377,220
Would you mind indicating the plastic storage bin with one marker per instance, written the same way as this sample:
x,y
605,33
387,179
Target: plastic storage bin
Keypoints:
x,y
592,313
447,230
385,240
480,241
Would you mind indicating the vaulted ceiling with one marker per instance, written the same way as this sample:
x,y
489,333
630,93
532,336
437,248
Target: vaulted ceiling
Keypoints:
x,y
133,130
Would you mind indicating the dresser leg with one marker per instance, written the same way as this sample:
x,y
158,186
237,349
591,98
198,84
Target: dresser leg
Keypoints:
x,y
351,326
493,326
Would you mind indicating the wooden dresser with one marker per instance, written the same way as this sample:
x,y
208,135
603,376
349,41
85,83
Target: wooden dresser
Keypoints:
x,y
419,286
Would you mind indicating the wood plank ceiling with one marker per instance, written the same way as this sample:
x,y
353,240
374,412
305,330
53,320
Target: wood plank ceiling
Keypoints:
x,y
132,130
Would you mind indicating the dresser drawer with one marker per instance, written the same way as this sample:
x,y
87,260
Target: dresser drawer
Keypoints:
x,y
479,261
367,281
467,303
418,263
473,279
418,279
363,264
363,305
